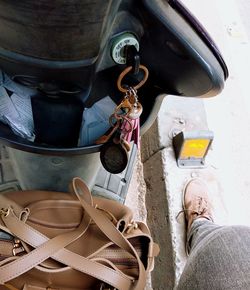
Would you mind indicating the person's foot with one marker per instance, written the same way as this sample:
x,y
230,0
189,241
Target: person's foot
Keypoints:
x,y
196,203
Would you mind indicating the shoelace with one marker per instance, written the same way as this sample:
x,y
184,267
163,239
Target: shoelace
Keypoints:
x,y
202,208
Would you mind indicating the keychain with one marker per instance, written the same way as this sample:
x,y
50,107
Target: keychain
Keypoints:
x,y
125,126
130,126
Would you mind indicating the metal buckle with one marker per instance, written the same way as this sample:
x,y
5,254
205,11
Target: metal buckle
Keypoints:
x,y
4,212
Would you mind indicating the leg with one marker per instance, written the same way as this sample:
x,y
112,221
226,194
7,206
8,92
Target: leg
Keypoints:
x,y
219,256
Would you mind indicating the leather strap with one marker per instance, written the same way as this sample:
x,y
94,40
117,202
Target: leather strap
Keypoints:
x,y
55,247
109,230
36,239
75,261
40,254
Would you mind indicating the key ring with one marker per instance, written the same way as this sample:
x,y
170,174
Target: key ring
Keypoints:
x,y
125,72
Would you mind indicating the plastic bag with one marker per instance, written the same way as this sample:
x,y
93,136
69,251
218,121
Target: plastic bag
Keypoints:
x,y
95,121
15,107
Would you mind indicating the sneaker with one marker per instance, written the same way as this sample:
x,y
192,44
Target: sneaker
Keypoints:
x,y
196,203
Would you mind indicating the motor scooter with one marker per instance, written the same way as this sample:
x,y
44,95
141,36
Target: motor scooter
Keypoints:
x,y
70,54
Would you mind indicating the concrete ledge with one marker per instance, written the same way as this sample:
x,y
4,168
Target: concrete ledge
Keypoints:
x,y
165,182
163,277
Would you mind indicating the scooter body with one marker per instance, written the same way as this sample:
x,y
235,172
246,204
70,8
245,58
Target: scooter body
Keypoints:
x,y
71,54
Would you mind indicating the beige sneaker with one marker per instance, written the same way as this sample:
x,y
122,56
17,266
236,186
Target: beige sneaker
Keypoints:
x,y
196,203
